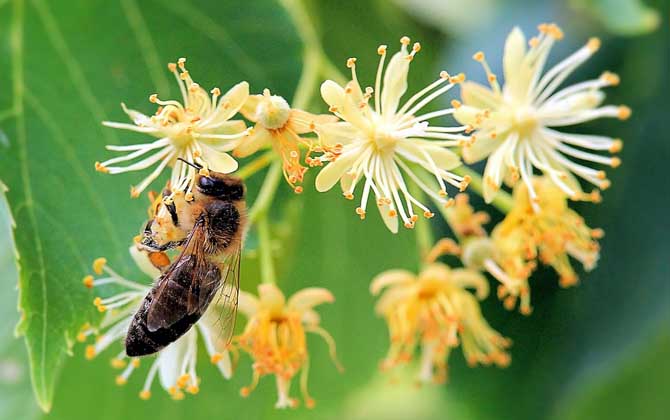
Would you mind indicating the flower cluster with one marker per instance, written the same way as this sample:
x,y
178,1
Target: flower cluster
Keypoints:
x,y
399,152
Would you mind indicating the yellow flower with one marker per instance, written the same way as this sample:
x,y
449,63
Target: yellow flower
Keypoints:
x,y
275,337
198,129
379,145
551,236
517,123
434,311
175,365
477,251
279,125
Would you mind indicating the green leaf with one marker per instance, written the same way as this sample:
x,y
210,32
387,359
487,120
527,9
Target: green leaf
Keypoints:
x,y
71,64
622,17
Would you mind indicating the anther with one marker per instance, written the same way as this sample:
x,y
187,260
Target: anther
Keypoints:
x,y
459,78
428,214
456,103
360,212
479,56
99,264
381,50
623,112
88,281
492,77
153,98
298,190
351,62
101,168
181,61
593,44
404,40
216,91
145,394
172,67
615,162
610,78
89,352
616,146
444,75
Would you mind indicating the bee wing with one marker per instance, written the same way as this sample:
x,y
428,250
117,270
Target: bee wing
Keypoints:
x,y
184,277
229,293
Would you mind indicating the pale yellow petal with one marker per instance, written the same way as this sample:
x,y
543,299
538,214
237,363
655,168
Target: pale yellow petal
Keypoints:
x,y
302,122
232,101
471,279
395,82
390,221
248,304
333,171
218,161
310,297
250,144
390,278
515,50
143,262
340,132
332,93
271,297
390,299
478,96
483,146
250,106
466,114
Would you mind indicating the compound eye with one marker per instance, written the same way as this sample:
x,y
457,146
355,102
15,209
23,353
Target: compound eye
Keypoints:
x,y
206,183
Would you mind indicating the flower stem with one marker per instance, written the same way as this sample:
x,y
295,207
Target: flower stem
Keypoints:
x,y
258,214
266,193
313,49
268,274
502,201
256,165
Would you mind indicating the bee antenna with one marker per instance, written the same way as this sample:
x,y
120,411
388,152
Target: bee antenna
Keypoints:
x,y
193,164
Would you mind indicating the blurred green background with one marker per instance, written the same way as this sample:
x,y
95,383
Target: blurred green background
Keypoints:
x,y
599,351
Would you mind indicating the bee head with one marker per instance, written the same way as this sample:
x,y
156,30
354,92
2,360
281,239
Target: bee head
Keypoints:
x,y
220,186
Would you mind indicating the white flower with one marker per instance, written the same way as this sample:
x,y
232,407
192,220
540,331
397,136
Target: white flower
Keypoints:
x,y
176,364
378,145
517,123
198,130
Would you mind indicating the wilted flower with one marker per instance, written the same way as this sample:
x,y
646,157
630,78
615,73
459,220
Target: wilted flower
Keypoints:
x,y
551,236
434,311
198,130
176,364
280,126
378,145
275,337
516,123
478,252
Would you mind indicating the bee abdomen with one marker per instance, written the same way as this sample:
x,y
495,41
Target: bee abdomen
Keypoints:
x,y
140,341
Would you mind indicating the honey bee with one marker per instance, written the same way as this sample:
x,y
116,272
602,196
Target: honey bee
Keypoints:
x,y
208,230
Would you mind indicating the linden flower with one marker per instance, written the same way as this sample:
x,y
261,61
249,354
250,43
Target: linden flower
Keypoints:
x,y
478,252
198,130
176,364
280,126
517,123
275,337
434,311
378,145
552,236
